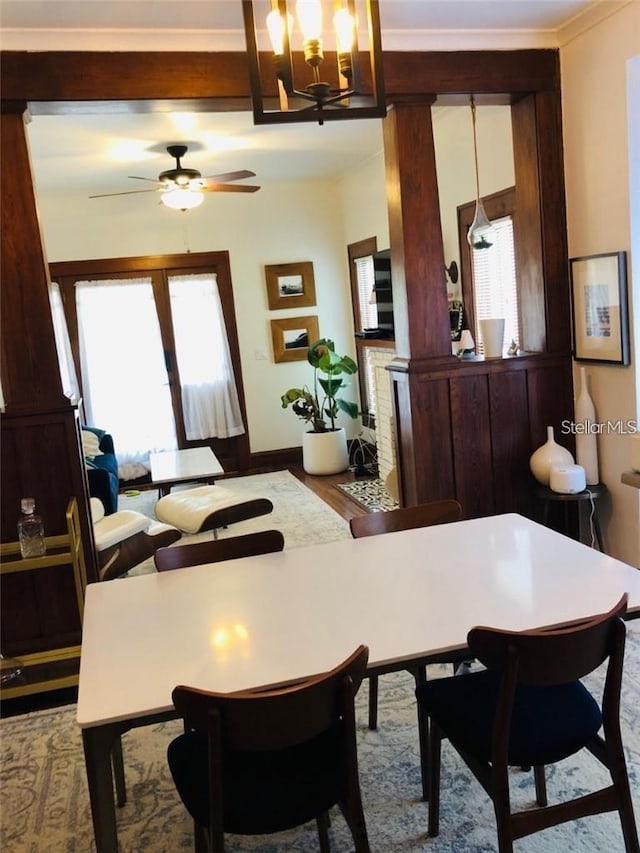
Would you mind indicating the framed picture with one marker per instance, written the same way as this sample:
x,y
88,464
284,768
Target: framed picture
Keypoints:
x,y
292,337
290,285
599,309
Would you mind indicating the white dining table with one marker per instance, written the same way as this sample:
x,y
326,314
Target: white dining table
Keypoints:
x,y
410,596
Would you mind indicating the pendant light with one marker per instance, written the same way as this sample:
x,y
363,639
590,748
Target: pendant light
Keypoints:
x,y
481,234
318,67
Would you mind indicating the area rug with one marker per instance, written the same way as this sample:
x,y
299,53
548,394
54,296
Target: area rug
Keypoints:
x,y
301,515
45,805
371,494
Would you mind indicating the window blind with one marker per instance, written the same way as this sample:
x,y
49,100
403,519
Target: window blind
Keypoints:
x,y
367,309
494,282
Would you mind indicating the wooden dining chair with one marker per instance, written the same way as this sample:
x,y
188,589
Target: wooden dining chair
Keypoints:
x,y
258,762
531,710
406,518
217,550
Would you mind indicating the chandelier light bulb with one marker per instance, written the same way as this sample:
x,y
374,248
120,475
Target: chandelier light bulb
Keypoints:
x,y
182,198
345,27
275,25
310,19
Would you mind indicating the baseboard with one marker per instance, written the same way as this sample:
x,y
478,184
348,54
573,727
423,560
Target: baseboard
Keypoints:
x,y
275,459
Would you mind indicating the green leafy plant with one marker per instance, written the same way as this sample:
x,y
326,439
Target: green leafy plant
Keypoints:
x,y
320,404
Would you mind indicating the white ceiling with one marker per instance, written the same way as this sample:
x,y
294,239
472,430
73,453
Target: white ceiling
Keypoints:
x,y
96,153
225,16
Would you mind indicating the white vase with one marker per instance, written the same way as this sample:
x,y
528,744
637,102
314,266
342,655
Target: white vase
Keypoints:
x,y
325,452
546,456
586,442
492,332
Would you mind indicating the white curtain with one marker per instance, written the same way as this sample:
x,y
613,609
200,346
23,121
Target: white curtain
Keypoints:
x,y
209,395
70,387
124,378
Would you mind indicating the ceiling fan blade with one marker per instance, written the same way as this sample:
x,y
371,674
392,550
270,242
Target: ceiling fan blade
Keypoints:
x,y
140,178
127,192
230,176
229,188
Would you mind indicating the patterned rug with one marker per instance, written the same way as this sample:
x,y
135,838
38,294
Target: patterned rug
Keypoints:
x,y
371,494
301,515
45,805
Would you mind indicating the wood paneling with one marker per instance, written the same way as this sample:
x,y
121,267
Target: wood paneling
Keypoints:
x,y
471,429
433,422
67,80
510,446
553,217
527,227
478,423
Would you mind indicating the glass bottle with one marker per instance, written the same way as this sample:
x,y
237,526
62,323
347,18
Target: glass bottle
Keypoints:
x,y
30,530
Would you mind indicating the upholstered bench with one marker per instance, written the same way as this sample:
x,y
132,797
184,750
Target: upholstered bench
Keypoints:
x,y
209,508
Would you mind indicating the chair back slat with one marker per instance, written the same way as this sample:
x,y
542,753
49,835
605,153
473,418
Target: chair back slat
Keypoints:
x,y
274,718
554,656
217,550
406,518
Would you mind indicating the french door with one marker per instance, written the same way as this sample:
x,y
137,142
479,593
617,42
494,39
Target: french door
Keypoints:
x,y
161,290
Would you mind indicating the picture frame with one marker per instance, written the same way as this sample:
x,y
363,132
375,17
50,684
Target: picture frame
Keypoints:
x,y
599,308
292,337
290,285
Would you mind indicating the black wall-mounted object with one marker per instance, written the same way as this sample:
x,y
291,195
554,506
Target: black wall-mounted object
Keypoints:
x,y
384,291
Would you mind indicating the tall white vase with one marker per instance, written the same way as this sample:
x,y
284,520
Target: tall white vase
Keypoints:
x,y
546,456
586,442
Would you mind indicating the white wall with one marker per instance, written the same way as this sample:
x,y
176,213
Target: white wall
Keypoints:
x,y
282,223
597,154
364,202
453,139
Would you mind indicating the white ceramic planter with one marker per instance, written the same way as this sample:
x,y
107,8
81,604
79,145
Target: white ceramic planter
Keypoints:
x,y
325,452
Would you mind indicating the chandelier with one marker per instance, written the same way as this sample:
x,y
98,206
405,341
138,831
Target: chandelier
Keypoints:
x,y
298,46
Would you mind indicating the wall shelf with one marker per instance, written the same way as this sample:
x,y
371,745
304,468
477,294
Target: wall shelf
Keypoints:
x,y
49,669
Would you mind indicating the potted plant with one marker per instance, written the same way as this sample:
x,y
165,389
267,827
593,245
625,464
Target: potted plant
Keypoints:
x,y
324,446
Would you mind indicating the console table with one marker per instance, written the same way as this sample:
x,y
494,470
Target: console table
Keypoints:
x,y
55,668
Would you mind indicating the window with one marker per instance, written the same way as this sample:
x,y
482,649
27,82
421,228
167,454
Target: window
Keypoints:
x,y
124,378
70,387
366,279
494,282
489,284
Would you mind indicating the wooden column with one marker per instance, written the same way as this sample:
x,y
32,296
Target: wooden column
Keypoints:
x,y
40,448
29,359
466,430
417,254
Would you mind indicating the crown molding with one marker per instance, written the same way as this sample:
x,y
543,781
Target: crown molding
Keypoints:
x,y
589,18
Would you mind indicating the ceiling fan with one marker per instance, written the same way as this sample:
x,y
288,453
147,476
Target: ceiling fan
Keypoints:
x,y
183,188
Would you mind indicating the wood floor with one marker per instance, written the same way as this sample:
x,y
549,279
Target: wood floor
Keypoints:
x,y
325,488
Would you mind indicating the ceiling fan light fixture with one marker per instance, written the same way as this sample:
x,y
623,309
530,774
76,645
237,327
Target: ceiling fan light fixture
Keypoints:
x,y
315,99
182,198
